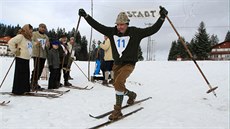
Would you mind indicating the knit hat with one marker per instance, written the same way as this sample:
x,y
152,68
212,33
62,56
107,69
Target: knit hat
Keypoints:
x,y
55,43
42,25
122,18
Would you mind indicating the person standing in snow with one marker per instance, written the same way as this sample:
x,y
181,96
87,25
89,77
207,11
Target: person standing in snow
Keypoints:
x,y
54,66
125,41
99,56
40,46
64,56
70,45
21,46
108,58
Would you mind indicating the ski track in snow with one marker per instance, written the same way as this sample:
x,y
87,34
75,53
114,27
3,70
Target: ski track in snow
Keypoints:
x,y
178,90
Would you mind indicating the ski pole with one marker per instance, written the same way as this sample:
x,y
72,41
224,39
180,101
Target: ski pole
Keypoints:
x,y
80,69
75,36
78,23
7,72
211,89
36,69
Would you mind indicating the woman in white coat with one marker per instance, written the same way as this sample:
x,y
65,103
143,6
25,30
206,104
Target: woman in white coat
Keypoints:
x,y
21,46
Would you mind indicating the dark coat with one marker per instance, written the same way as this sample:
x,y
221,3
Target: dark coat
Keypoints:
x,y
53,58
125,46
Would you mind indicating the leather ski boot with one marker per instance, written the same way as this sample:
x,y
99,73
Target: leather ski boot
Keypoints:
x,y
116,114
111,81
67,83
132,96
105,82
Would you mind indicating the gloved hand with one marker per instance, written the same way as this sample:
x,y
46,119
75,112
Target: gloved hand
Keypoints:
x,y
82,13
73,58
163,12
18,52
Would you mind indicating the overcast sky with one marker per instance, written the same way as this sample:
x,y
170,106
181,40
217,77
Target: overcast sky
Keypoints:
x,y
186,15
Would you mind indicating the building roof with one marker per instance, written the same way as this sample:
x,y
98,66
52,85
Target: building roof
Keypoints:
x,y
225,44
5,39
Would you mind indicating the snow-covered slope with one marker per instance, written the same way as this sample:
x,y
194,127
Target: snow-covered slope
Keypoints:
x,y
178,91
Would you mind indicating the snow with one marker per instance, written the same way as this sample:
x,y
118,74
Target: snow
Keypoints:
x,y
178,91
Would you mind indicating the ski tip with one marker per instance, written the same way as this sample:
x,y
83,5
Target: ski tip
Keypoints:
x,y
92,116
4,103
141,108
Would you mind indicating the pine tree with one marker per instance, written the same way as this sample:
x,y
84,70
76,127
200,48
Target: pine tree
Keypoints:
x,y
140,57
214,40
52,35
181,50
83,53
92,50
2,30
202,45
177,50
16,29
173,51
227,37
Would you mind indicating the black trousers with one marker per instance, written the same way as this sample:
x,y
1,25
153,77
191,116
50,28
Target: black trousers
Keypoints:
x,y
38,67
108,65
21,82
54,78
65,73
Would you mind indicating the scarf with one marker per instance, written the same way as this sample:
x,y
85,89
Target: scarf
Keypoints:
x,y
25,31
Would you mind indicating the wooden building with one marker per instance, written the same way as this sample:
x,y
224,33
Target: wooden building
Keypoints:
x,y
221,51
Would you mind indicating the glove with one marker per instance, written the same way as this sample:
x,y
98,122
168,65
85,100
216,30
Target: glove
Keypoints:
x,y
163,12
82,13
73,58
18,53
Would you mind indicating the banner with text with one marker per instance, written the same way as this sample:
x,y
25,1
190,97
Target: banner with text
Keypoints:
x,y
143,13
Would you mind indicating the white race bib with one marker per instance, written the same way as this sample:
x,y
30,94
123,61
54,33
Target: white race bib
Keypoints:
x,y
29,46
121,43
43,42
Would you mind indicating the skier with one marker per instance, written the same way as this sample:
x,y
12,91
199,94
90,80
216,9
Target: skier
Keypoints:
x,y
64,56
125,41
21,46
40,46
71,48
108,58
54,66
99,54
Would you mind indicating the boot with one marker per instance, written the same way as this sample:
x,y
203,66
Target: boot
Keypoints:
x,y
35,86
132,96
57,85
116,114
67,83
60,85
111,81
70,78
105,82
